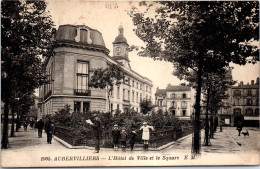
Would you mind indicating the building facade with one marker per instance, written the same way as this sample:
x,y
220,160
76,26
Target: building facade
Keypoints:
x,y
176,100
78,50
243,101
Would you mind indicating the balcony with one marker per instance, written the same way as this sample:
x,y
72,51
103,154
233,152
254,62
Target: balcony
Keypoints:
x,y
82,92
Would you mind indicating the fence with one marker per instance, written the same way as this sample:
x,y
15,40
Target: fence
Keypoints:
x,y
159,137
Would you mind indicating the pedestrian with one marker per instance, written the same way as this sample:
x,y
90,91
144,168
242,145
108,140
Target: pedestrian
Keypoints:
x,y
146,134
31,124
123,139
116,136
40,125
25,124
49,131
132,138
239,127
96,125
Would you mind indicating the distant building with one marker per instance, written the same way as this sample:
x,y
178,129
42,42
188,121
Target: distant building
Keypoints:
x,y
243,101
78,49
176,100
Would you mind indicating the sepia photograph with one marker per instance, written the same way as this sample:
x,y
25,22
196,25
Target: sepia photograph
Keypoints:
x,y
129,83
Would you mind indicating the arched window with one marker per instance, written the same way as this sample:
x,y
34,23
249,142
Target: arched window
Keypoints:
x,y
83,35
249,112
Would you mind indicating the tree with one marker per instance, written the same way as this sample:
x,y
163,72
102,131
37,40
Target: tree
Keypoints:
x,y
107,78
26,35
198,37
215,88
146,106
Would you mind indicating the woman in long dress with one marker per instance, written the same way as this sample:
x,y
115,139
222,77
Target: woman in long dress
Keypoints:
x,y
146,134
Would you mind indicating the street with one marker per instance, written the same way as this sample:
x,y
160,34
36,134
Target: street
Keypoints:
x,y
26,145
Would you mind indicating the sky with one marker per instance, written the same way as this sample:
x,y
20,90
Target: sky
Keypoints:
x,y
106,17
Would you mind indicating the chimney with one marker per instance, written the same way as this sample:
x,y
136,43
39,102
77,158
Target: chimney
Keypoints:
x,y
257,80
252,82
241,84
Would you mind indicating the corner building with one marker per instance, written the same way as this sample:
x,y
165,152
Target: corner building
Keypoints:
x,y
78,50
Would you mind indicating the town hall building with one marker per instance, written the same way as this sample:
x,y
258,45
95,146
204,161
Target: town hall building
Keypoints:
x,y
78,50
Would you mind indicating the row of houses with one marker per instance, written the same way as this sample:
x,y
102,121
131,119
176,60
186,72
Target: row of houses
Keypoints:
x,y
240,100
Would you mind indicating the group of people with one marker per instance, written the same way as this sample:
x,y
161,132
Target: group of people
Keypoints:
x,y
49,128
121,135
131,136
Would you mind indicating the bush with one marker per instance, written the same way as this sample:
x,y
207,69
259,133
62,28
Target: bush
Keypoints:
x,y
78,128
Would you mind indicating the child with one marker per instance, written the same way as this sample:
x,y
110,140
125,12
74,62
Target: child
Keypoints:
x,y
146,134
123,139
116,136
132,138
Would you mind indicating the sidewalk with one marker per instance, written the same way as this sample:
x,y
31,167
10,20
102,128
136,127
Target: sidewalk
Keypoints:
x,y
224,142
225,150
28,140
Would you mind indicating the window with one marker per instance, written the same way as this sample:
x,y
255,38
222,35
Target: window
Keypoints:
x,y
183,112
111,107
86,106
117,107
249,101
77,107
173,95
146,97
129,95
184,105
137,97
173,112
118,90
141,87
133,96
184,95
249,111
237,93
146,88
82,77
174,105
257,112
124,94
141,97
137,85
128,81
160,103
133,83
249,93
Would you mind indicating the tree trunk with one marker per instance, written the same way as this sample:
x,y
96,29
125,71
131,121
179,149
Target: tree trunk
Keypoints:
x,y
5,127
18,120
206,141
196,137
12,127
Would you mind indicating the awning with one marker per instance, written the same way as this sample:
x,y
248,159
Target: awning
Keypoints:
x,y
251,118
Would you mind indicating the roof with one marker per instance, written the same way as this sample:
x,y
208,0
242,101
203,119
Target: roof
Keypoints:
x,y
246,87
69,33
178,88
120,37
160,92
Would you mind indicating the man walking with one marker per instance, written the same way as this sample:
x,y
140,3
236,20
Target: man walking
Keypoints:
x,y
40,125
49,131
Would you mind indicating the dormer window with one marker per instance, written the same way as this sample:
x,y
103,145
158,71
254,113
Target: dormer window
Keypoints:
x,y
83,35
